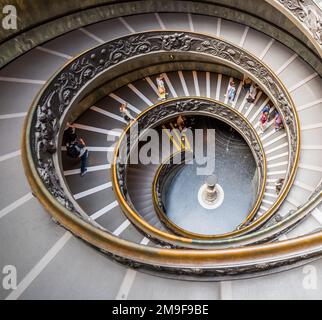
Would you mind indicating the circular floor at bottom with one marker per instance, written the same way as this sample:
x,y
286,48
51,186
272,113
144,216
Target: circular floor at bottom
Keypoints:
x,y
236,171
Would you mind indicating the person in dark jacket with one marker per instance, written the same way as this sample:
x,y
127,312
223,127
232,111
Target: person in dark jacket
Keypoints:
x,y
78,150
69,134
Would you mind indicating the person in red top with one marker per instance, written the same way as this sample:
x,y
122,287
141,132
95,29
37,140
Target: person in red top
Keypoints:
x,y
263,121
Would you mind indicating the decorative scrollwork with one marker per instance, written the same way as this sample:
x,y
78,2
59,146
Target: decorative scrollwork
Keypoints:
x,y
122,49
171,109
308,13
215,271
177,41
49,176
58,96
69,82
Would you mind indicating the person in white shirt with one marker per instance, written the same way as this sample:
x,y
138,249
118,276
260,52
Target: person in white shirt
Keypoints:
x,y
161,87
231,91
278,185
252,93
126,114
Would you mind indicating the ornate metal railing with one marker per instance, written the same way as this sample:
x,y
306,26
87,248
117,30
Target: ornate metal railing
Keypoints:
x,y
307,16
53,102
40,143
35,31
162,181
161,113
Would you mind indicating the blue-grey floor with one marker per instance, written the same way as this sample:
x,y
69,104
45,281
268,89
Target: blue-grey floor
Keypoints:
x,y
235,168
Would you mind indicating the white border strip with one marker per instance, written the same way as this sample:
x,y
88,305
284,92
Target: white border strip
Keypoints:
x,y
243,38
108,114
21,80
97,130
104,210
140,94
13,115
39,267
15,204
264,53
54,52
160,21
120,100
89,169
92,36
126,24
128,279
183,83
10,155
92,190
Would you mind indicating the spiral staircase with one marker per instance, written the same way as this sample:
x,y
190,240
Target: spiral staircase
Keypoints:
x,y
104,239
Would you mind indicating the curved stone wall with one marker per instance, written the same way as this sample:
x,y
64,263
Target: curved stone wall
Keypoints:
x,y
37,24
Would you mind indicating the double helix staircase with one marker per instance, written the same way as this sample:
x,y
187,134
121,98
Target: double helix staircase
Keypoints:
x,y
52,263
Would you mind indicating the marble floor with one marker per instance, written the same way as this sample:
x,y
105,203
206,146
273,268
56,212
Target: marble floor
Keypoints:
x,y
236,171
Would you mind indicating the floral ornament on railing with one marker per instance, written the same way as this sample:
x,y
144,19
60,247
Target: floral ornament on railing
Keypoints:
x,y
75,76
308,13
239,57
172,109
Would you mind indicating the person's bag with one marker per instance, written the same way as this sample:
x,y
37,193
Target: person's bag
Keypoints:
x,y
69,135
73,150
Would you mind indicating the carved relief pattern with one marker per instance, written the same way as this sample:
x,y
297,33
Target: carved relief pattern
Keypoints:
x,y
164,111
216,272
226,51
308,13
59,94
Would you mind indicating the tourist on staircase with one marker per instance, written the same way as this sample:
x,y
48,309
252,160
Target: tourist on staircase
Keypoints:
x,y
278,185
278,121
231,91
267,108
161,87
252,93
181,123
126,114
69,134
263,121
247,82
78,150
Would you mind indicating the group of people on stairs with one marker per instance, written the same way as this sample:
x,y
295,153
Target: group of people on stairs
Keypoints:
x,y
76,147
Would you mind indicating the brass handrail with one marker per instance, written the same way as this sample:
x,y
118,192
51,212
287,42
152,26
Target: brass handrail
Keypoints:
x,y
135,217
291,169
159,207
218,263
243,55
252,258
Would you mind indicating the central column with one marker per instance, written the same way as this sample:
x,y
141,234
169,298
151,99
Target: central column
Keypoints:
x,y
210,194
